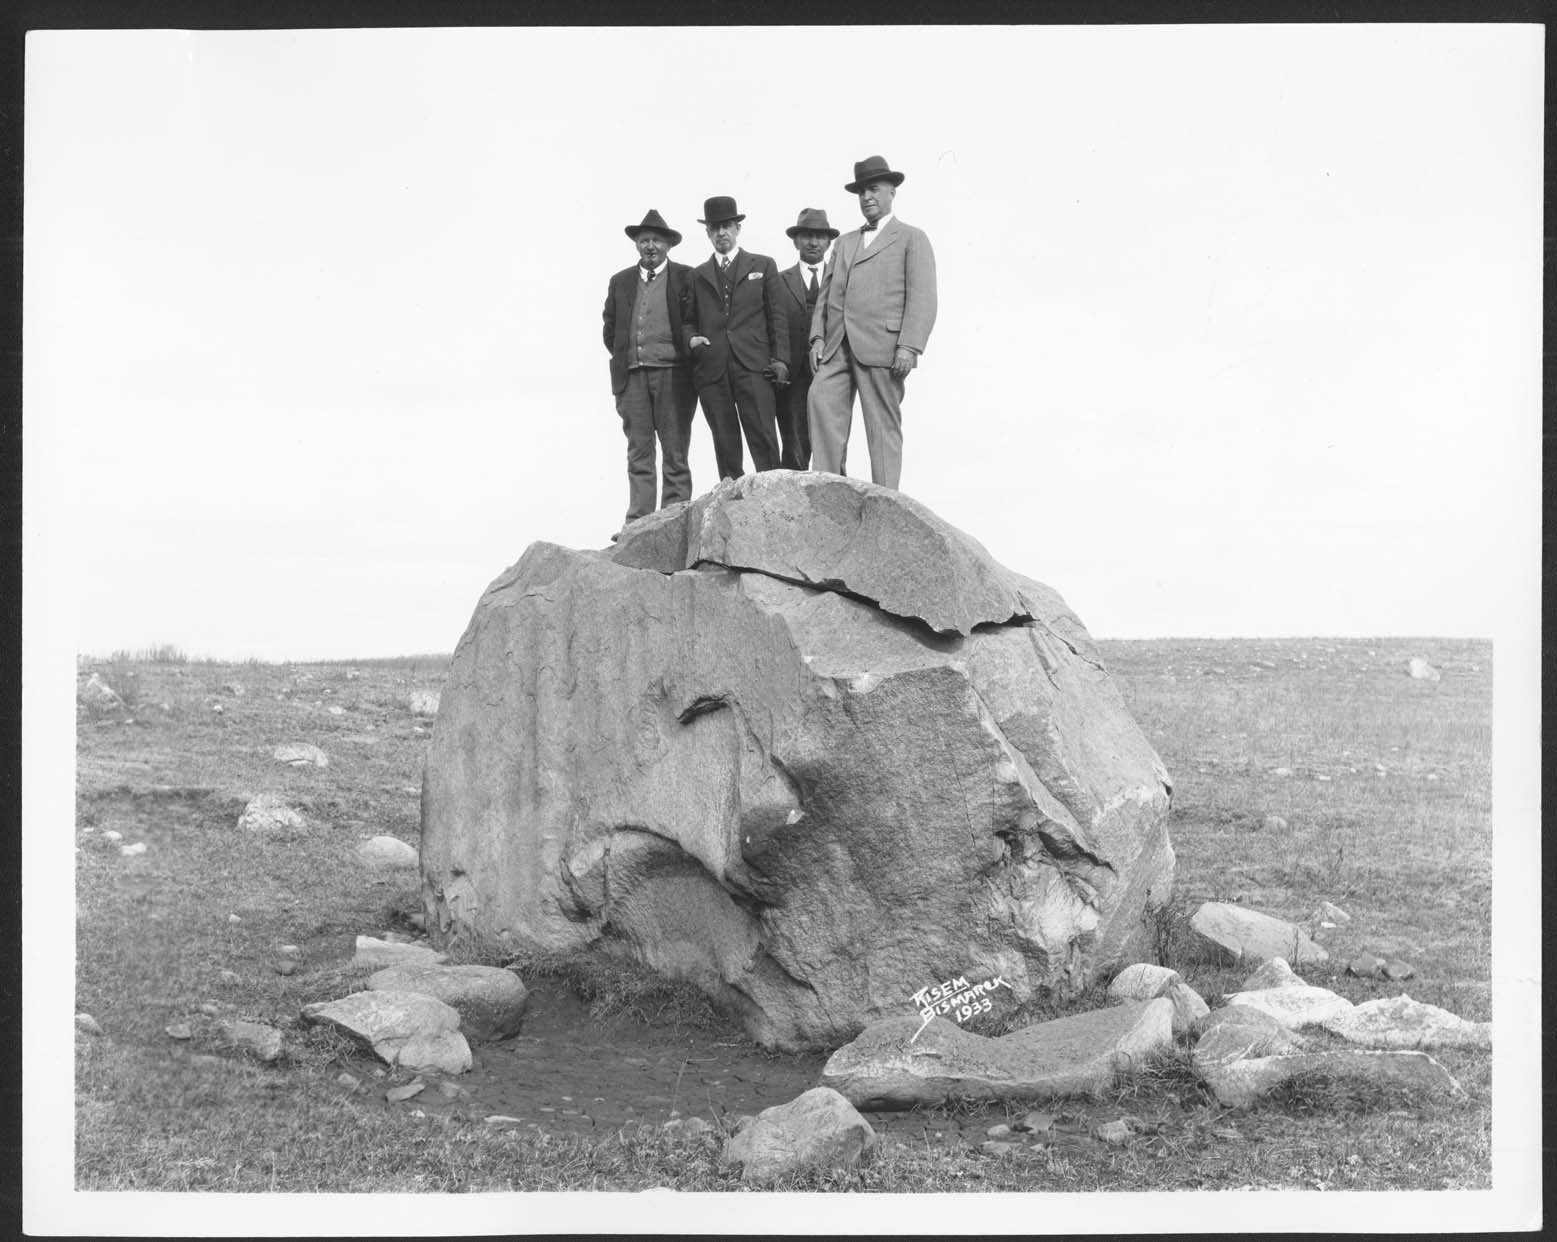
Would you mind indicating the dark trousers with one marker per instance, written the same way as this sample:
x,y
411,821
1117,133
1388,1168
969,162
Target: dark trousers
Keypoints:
x,y
657,404
794,423
741,400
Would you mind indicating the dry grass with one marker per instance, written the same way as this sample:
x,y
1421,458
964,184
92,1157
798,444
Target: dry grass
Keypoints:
x,y
1407,853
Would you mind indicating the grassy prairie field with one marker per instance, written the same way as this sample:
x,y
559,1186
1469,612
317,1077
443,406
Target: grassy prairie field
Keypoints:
x,y
1384,784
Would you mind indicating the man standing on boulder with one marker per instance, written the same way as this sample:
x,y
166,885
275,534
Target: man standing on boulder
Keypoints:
x,y
872,321
649,318
801,285
741,350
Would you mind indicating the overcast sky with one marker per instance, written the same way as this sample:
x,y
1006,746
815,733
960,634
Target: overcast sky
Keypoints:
x,y
1238,335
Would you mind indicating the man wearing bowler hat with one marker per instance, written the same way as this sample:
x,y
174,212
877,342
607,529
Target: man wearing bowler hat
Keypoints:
x,y
741,349
649,318
872,321
801,285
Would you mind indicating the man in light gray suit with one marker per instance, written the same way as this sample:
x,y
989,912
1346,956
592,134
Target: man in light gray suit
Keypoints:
x,y
872,320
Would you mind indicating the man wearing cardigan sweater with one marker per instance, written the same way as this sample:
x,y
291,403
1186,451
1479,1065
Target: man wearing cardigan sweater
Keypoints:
x,y
649,318
872,321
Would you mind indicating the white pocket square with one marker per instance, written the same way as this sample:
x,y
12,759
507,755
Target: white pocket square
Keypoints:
x,y
753,275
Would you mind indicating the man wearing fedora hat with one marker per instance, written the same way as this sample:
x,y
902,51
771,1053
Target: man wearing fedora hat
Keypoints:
x,y
649,318
871,323
741,349
801,285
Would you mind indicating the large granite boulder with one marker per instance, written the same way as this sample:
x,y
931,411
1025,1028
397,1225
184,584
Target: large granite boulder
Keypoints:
x,y
802,743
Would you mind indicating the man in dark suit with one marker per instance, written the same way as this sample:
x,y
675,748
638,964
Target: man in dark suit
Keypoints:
x,y
801,285
872,321
649,318
741,349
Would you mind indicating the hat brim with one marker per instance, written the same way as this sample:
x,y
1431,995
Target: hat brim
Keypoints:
x,y
632,230
722,219
896,178
790,232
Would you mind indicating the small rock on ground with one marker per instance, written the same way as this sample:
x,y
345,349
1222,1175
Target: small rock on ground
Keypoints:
x,y
1420,670
1230,932
301,755
374,952
388,852
87,1024
269,815
816,1129
411,1089
262,1040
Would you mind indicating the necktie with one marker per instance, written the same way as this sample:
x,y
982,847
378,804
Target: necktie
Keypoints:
x,y
811,288
724,263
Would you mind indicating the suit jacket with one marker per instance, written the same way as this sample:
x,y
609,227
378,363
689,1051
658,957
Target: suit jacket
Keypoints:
x,y
755,332
882,297
618,315
792,284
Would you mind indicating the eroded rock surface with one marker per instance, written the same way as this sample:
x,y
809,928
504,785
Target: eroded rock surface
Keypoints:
x,y
490,1000
1147,981
842,756
896,1064
1400,1022
1231,933
416,1032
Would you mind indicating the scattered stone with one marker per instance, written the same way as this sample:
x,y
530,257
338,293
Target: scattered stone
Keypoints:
x,y
1145,981
229,977
302,755
695,1127
423,702
180,1031
233,918
218,709
999,1131
490,1000
388,853
1235,1032
1400,1022
1273,823
418,1033
1332,914
97,695
1241,1083
1037,1123
1228,932
502,1119
112,837
813,653
372,952
270,816
1396,970
350,1081
451,1090
411,1089
1365,966
286,966
290,951
991,1147
335,709
819,1128
133,851
896,1064
397,937
1281,771
1113,1132
1420,670
210,1008
1273,974
235,689
87,1024
1294,1005
262,1040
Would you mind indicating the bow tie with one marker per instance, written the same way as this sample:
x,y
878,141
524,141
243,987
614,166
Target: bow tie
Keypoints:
x,y
867,228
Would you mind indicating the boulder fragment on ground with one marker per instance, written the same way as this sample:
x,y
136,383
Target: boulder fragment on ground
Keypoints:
x,y
817,1129
490,1000
301,755
1275,973
1420,670
88,1025
1400,1022
901,1062
374,952
423,702
754,749
262,1040
1371,966
96,695
1229,933
414,1031
1146,981
268,815
388,853
1294,1005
